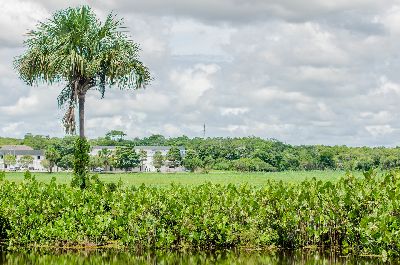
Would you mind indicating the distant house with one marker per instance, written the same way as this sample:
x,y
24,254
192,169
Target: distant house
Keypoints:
x,y
147,164
19,151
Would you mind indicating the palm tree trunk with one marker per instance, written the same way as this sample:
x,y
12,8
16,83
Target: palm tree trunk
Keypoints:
x,y
81,116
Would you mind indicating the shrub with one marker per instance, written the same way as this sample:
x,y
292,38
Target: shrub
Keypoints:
x,y
354,214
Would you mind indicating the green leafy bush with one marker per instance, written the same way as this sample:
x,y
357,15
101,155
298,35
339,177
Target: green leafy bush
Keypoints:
x,y
358,215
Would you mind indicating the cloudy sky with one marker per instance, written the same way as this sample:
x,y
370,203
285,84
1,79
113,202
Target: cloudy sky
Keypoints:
x,y
301,71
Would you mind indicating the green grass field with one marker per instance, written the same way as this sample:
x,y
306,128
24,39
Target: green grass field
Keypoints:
x,y
165,179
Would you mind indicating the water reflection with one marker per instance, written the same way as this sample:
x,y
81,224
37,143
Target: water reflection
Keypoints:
x,y
218,257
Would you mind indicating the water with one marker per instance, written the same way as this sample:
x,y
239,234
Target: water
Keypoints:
x,y
218,257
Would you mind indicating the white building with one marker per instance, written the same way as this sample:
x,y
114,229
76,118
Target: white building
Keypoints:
x,y
19,151
148,166
147,163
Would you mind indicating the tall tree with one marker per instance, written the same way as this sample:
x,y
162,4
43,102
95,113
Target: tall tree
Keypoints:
x,y
74,47
126,158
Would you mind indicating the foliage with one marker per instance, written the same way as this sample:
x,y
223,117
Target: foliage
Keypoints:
x,y
81,163
25,160
224,153
106,158
95,161
36,141
252,164
9,141
126,158
10,159
66,162
143,158
173,157
358,215
192,160
158,160
115,135
46,164
52,155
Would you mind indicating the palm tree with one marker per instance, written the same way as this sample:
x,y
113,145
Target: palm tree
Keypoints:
x,y
106,157
75,48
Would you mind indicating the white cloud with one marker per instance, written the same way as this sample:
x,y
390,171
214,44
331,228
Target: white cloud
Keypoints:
x,y
379,130
18,17
233,111
193,82
300,71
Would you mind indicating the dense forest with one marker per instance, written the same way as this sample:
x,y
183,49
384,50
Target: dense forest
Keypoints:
x,y
242,154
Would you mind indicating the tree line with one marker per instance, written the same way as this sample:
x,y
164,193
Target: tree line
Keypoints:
x,y
240,154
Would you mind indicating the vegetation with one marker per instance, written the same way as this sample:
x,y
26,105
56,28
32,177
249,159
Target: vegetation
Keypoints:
x,y
75,48
241,154
154,179
126,158
173,157
25,160
358,215
81,163
52,156
10,160
158,160
192,161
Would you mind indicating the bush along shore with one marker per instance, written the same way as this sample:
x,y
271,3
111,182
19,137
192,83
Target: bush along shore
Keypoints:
x,y
352,215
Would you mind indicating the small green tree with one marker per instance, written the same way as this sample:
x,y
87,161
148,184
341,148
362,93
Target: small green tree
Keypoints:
x,y
192,160
115,135
158,160
173,157
208,163
106,157
143,158
126,158
95,161
52,155
25,160
66,161
9,160
46,164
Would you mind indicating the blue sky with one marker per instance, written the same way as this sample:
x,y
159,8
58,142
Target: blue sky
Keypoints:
x,y
304,71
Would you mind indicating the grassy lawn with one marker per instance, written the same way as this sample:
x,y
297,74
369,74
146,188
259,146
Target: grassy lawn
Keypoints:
x,y
165,179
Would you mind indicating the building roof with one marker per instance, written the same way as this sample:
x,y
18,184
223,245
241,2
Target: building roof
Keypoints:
x,y
16,147
104,147
22,152
157,148
139,147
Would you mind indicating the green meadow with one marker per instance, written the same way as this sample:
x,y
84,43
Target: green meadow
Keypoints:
x,y
166,179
